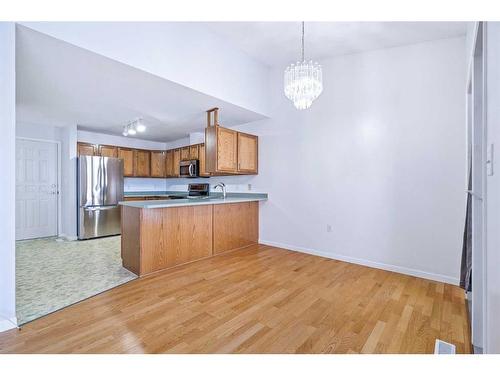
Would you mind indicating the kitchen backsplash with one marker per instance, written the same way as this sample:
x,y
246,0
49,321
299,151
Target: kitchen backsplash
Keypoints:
x,y
233,184
144,184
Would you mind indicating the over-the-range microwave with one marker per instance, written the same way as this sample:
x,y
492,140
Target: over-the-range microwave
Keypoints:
x,y
189,168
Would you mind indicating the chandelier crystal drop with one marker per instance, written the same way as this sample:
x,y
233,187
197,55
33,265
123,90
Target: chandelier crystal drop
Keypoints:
x,y
303,81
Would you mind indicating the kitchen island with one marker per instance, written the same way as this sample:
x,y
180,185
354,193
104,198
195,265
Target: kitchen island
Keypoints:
x,y
159,234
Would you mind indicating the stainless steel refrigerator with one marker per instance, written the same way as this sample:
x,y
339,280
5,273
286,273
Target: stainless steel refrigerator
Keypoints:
x,y
100,188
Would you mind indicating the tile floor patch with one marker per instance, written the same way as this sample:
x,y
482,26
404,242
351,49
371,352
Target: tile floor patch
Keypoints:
x,y
51,274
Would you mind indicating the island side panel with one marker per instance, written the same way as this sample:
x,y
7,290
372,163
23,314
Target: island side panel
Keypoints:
x,y
236,225
130,238
175,235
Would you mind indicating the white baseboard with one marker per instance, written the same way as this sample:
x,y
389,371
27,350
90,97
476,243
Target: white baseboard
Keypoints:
x,y
368,263
6,324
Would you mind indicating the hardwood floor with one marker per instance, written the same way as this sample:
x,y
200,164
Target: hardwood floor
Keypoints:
x,y
256,300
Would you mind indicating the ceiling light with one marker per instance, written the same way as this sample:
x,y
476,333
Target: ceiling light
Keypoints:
x,y
131,130
303,81
125,131
139,126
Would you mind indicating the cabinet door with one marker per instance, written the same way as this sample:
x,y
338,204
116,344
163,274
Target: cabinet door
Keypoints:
x,y
87,149
193,152
185,153
128,161
169,163
108,151
142,163
157,164
247,153
176,161
227,149
201,158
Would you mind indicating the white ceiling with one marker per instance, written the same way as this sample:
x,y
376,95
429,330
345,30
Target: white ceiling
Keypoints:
x,y
278,43
61,84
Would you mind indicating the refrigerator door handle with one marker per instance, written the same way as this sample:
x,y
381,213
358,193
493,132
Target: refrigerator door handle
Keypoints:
x,y
102,208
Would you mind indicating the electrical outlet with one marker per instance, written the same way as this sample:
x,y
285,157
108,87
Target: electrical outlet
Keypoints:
x,y
249,186
328,228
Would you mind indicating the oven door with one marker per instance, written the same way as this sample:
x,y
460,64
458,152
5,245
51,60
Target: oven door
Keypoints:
x,y
188,168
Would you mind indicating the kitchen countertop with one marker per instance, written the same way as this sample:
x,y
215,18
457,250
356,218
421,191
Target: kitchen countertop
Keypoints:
x,y
214,198
152,193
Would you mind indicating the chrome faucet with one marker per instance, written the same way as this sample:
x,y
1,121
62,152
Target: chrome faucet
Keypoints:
x,y
222,185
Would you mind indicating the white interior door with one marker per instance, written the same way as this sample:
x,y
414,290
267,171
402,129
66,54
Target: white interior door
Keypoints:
x,y
36,189
478,143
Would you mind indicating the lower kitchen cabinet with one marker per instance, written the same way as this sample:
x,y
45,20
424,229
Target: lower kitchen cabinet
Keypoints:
x,y
236,225
158,238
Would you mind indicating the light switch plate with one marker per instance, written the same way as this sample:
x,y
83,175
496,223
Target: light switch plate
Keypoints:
x,y
489,160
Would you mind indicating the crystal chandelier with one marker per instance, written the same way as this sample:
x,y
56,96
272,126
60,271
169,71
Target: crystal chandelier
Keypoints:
x,y
303,81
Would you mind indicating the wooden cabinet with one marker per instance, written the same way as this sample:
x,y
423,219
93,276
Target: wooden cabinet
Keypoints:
x,y
108,151
201,158
128,161
221,150
158,238
185,153
158,163
169,163
247,153
175,162
193,152
236,225
87,149
227,151
142,166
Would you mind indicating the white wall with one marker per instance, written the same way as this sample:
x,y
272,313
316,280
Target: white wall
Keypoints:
x,y
379,157
7,166
208,64
493,191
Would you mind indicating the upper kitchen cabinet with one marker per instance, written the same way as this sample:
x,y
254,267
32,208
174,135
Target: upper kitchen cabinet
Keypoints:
x,y
128,161
175,162
158,163
247,153
108,151
228,151
185,153
201,158
169,163
194,152
142,166
87,149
